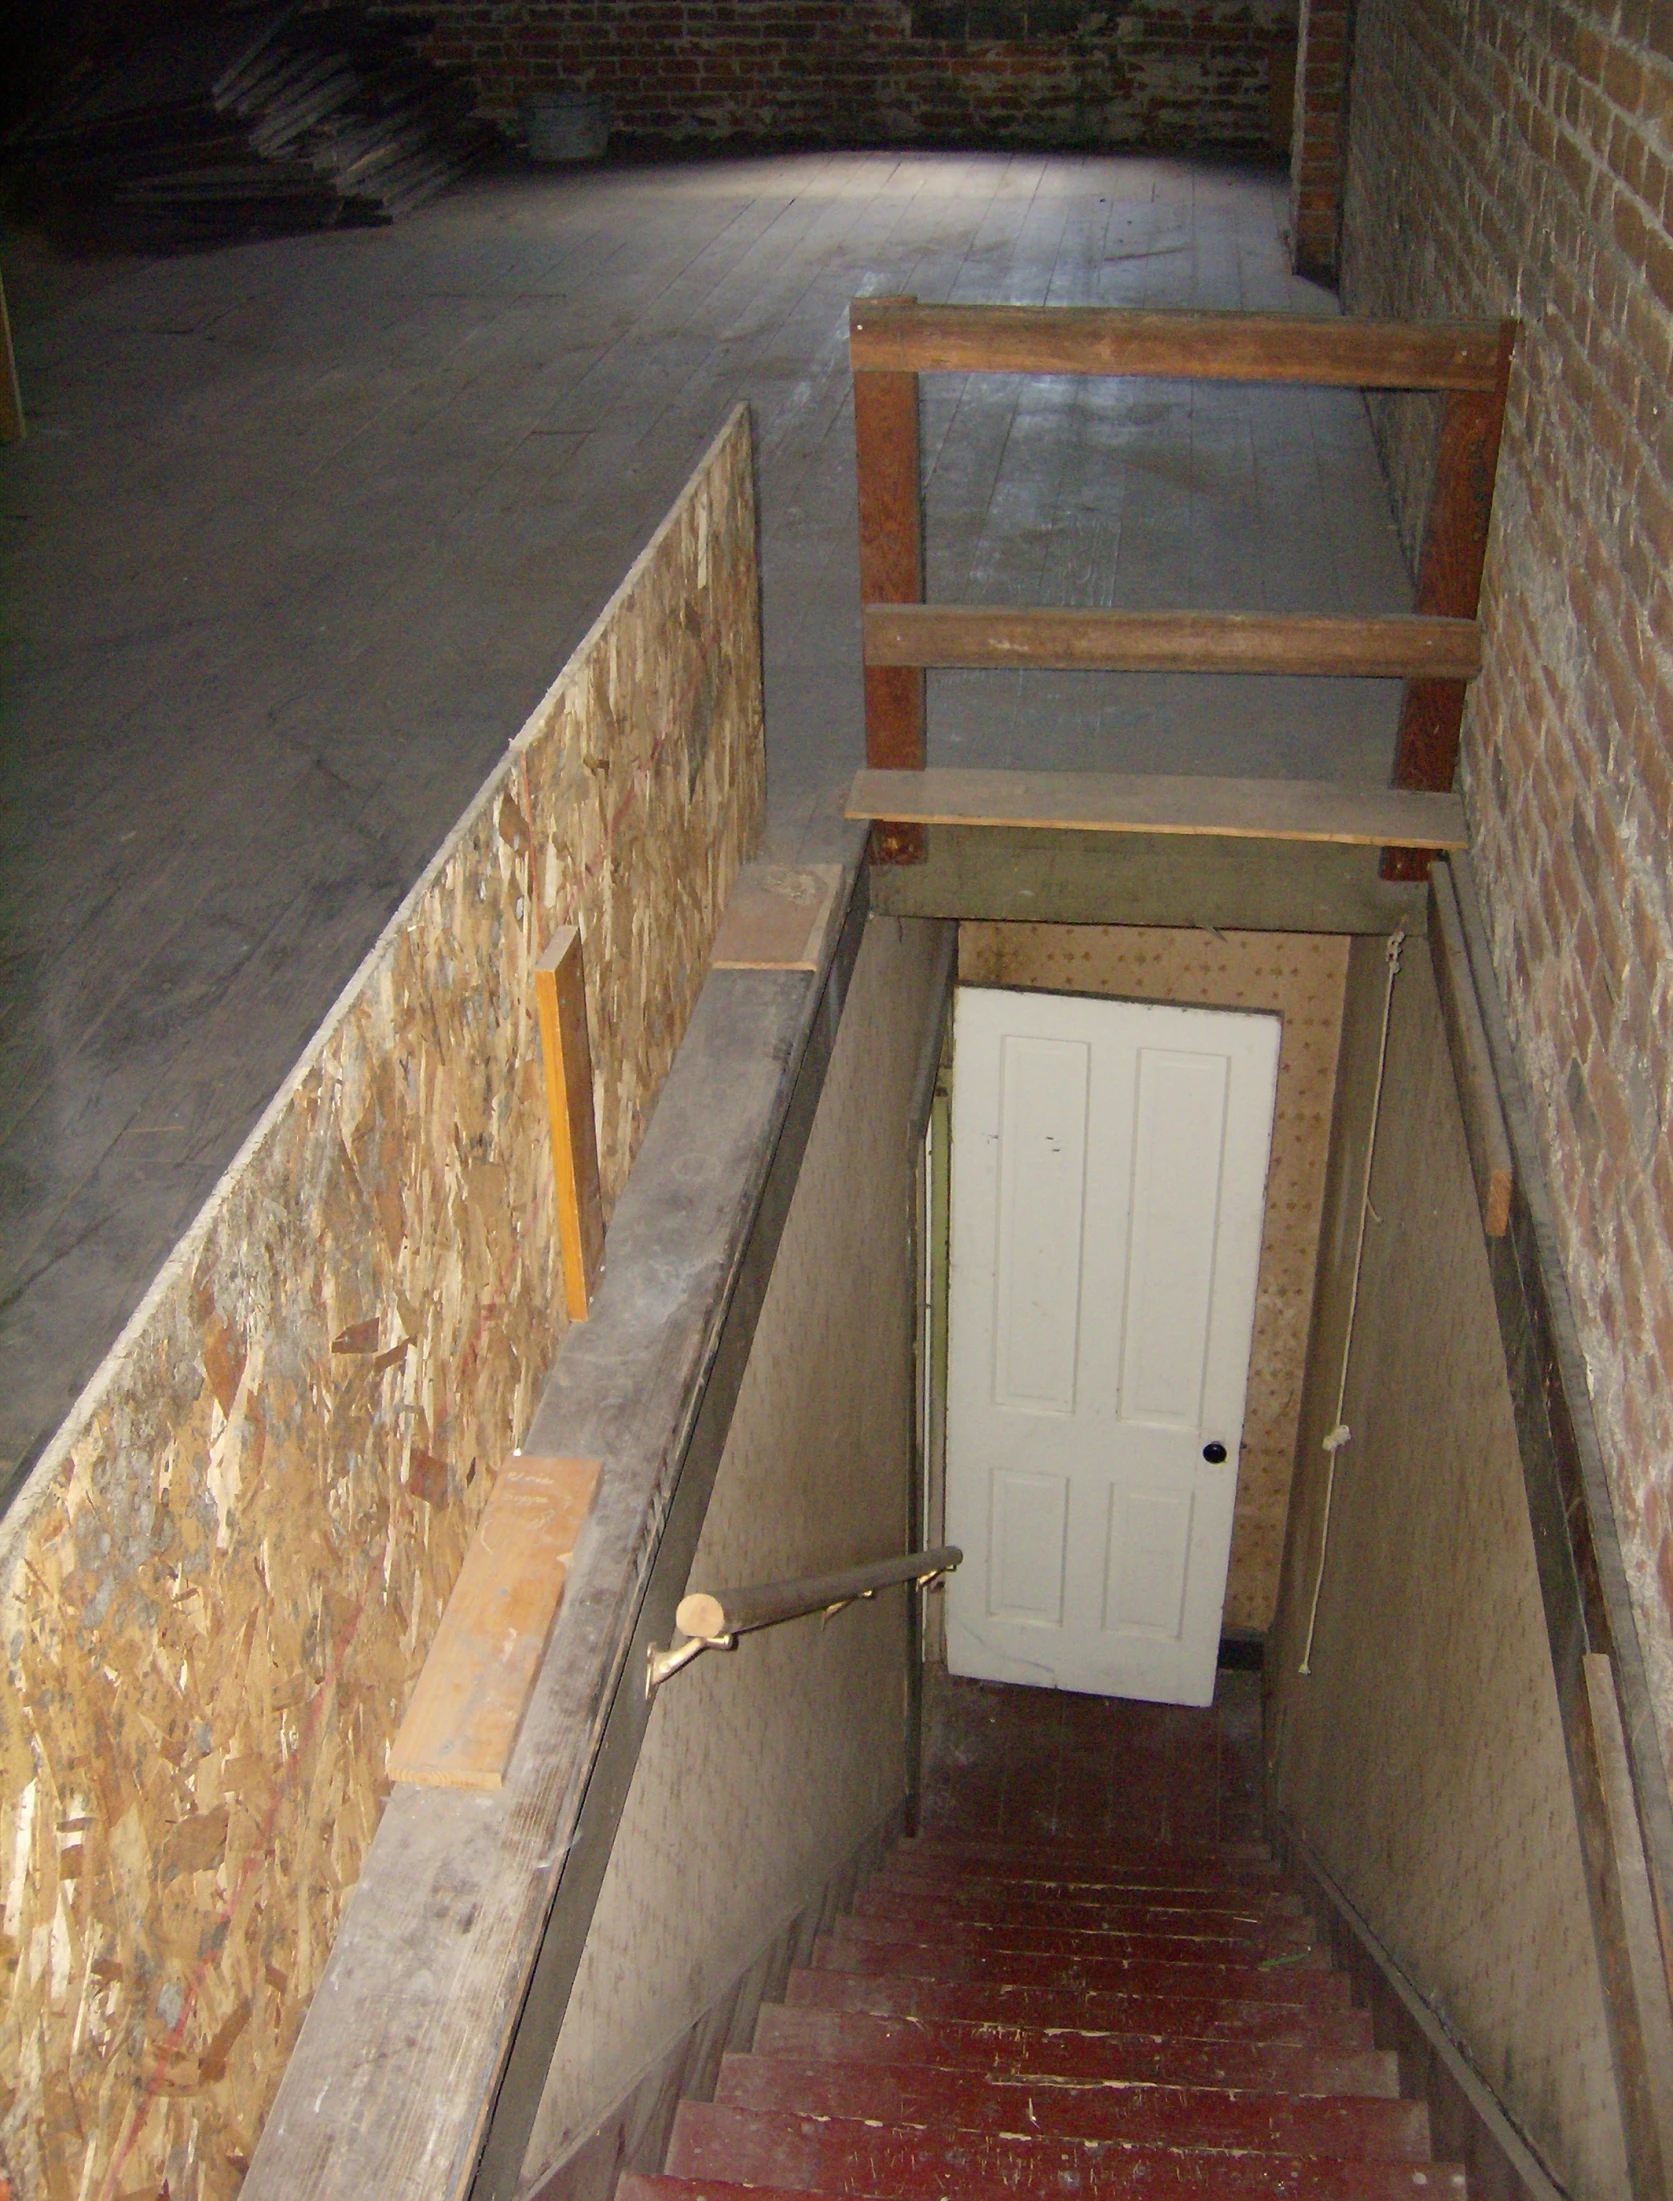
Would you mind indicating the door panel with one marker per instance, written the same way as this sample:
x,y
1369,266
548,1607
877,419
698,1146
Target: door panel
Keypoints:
x,y
1108,1178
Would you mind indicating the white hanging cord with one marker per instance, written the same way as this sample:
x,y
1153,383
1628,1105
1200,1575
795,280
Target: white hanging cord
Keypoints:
x,y
1341,1433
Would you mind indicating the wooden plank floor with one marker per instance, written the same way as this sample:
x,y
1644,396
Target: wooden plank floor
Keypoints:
x,y
302,530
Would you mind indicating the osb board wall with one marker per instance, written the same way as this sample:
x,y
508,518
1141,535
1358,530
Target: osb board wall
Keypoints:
x,y
764,1768
219,1584
1299,975
1422,1757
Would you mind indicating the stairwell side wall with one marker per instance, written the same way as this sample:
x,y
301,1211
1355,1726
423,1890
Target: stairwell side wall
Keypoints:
x,y
764,1771
1422,1757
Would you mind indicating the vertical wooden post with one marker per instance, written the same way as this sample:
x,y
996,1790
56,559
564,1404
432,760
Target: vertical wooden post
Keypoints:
x,y
891,572
11,398
1449,583
561,1007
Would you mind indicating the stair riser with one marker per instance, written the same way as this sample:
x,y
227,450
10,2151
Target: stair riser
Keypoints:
x,y
846,2158
1178,2117
1328,2019
1056,1865
1075,1975
854,2037
1208,1943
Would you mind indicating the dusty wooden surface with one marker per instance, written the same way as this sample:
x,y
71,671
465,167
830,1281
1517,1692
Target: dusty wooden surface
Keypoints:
x,y
465,1712
219,1584
888,334
1116,802
1169,641
1148,879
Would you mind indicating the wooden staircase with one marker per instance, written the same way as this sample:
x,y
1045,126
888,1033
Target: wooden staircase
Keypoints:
x,y
1000,2021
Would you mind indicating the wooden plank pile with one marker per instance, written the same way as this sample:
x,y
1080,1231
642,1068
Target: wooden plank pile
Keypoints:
x,y
258,120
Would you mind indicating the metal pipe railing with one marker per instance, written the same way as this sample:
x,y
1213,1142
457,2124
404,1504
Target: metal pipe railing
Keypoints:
x,y
714,1621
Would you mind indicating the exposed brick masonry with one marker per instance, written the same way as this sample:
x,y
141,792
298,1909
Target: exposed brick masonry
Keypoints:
x,y
683,74
1319,143
1517,157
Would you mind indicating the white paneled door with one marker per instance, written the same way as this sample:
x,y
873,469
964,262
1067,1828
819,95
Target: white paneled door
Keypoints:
x,y
1108,1181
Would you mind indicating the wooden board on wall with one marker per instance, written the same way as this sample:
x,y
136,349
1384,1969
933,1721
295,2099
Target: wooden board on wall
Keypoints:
x,y
221,1580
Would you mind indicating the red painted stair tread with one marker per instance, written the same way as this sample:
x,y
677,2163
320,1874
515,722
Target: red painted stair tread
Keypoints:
x,y
1209,1942
1271,1978
1167,2116
847,2156
1326,2015
859,2037
1130,1909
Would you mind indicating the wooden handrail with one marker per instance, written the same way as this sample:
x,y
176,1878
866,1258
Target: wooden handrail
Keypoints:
x,y
1393,645
714,1621
895,335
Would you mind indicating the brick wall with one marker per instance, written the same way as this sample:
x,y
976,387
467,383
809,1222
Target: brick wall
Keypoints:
x,y
1516,156
684,74
1318,141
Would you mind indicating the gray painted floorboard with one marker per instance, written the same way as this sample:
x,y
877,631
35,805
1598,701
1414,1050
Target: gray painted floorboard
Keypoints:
x,y
303,530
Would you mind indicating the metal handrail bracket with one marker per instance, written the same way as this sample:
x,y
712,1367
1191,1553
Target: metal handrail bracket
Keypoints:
x,y
713,1621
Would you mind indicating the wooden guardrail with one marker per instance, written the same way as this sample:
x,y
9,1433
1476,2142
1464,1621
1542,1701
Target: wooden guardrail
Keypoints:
x,y
892,341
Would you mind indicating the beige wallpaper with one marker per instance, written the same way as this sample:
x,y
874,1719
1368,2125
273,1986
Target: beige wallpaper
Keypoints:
x,y
764,1768
1422,1757
1300,976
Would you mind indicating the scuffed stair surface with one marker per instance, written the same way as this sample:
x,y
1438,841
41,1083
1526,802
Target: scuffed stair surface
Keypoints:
x,y
998,2022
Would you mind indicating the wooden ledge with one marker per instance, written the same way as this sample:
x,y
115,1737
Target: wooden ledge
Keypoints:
x,y
1122,802
1397,645
901,336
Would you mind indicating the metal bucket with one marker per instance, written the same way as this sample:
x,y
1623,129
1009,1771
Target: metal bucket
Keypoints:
x,y
574,128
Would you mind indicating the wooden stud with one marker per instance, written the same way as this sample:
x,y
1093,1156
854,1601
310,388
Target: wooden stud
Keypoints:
x,y
462,1723
1170,641
11,397
891,572
1449,582
1472,1060
899,335
566,1055
1147,802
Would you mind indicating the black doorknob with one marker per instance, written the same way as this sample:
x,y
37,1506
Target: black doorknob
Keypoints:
x,y
1214,1453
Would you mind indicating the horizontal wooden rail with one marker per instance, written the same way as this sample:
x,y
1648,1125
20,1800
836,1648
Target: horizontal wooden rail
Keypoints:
x,y
765,1604
1396,645
1142,802
893,335
714,1622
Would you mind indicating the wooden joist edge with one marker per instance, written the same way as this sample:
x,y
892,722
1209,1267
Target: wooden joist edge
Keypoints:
x,y
1118,802
1384,646
895,335
1584,1592
1472,1060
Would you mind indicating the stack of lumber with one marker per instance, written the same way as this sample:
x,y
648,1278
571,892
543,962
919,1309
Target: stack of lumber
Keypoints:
x,y
258,120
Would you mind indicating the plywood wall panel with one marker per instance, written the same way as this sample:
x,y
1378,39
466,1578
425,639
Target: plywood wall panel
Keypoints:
x,y
763,1769
1422,1756
1300,975
221,1580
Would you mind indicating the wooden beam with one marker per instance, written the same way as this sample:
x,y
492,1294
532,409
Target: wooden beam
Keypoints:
x,y
1004,872
899,335
1139,802
11,397
1391,645
1472,1060
462,1723
891,570
560,989
1449,580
